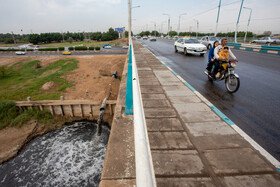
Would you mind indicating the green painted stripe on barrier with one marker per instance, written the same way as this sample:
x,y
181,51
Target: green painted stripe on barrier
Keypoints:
x,y
234,44
249,49
263,51
129,92
265,47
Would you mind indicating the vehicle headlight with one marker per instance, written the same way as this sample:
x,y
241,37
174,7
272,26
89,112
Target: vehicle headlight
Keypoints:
x,y
233,64
191,48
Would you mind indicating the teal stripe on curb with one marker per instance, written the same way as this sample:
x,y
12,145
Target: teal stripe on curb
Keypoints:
x,y
129,93
263,51
174,73
249,49
224,117
189,86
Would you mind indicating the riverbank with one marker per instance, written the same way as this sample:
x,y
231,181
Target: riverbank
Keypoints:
x,y
90,81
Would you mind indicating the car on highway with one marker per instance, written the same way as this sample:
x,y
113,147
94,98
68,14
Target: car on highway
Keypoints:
x,y
66,53
20,53
208,41
267,40
152,38
190,46
145,38
107,46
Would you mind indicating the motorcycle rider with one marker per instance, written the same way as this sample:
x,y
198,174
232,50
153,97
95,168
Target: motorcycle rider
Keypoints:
x,y
211,57
217,50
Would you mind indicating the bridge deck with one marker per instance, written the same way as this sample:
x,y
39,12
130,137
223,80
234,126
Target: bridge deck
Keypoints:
x,y
190,144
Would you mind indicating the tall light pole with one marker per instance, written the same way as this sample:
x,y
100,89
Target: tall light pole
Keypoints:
x,y
129,20
248,22
197,23
129,13
155,24
168,22
235,36
218,18
180,21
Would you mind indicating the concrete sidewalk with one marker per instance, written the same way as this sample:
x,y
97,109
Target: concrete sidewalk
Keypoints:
x,y
190,144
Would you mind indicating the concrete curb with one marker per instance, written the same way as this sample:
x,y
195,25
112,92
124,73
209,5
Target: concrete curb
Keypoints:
x,y
256,50
262,151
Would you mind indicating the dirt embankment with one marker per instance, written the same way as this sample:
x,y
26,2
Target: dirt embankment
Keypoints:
x,y
92,80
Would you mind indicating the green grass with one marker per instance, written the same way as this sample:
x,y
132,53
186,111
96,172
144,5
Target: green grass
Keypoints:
x,y
86,43
23,79
10,115
2,44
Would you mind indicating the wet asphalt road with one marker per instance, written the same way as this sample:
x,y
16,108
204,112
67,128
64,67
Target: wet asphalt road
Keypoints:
x,y
255,107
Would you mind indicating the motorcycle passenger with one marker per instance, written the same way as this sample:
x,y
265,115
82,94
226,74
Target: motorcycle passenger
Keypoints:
x,y
224,56
211,57
217,50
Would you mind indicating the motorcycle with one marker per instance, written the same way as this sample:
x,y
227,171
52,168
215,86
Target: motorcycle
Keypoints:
x,y
226,72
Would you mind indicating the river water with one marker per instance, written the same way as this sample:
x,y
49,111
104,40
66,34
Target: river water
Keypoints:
x,y
70,156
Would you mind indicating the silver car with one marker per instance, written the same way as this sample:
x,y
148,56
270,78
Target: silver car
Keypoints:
x,y
153,38
267,40
189,46
20,53
208,41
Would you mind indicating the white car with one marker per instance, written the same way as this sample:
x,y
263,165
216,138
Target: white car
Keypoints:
x,y
108,47
152,38
267,40
20,53
145,38
208,41
190,46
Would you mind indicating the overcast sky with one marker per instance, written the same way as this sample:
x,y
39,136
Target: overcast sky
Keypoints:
x,y
98,15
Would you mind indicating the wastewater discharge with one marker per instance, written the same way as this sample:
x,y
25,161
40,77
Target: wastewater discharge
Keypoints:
x,y
70,156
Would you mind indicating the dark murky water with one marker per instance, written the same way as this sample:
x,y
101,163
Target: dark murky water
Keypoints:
x,y
70,156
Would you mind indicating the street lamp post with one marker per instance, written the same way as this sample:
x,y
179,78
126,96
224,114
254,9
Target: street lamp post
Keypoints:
x,y
129,18
218,18
180,21
155,24
197,23
168,22
235,36
248,22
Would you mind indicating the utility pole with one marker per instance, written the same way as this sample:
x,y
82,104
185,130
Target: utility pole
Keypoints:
x,y
62,36
13,37
180,21
197,23
129,21
155,29
235,36
248,22
218,18
168,23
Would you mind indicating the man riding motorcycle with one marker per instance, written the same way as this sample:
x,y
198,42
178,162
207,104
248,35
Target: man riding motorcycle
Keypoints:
x,y
217,50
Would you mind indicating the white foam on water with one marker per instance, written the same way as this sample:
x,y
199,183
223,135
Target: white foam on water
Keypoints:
x,y
70,156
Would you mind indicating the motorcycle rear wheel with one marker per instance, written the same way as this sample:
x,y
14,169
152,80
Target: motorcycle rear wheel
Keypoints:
x,y
232,83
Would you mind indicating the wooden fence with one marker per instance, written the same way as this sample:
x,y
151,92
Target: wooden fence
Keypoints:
x,y
74,108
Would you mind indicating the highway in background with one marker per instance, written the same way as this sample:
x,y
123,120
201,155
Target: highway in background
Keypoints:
x,y
255,107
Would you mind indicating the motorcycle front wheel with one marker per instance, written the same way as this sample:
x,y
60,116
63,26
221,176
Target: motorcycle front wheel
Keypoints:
x,y
232,83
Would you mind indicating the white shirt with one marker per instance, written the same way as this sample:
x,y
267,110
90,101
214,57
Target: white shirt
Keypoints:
x,y
218,49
